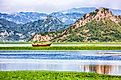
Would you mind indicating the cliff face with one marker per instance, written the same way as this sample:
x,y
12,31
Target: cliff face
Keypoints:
x,y
100,25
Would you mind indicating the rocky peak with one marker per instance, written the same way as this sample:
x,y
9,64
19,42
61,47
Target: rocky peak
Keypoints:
x,y
98,14
103,13
103,10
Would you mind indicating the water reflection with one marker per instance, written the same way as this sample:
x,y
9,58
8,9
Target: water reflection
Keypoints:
x,y
62,66
101,69
81,61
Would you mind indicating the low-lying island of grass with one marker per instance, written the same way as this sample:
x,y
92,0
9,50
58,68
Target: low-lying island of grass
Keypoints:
x,y
64,48
50,75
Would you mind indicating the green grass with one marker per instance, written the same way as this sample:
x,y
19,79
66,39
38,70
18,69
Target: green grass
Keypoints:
x,y
86,42
64,42
51,75
81,46
15,42
64,48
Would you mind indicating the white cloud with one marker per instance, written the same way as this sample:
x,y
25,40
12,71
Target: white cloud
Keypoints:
x,y
54,5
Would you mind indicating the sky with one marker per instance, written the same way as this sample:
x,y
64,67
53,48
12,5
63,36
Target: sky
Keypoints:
x,y
49,6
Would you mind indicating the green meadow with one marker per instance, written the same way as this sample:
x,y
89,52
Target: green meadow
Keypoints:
x,y
64,48
64,42
51,75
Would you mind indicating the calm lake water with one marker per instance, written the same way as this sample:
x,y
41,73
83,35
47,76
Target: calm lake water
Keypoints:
x,y
81,61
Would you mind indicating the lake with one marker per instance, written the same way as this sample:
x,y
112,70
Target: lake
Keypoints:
x,y
80,61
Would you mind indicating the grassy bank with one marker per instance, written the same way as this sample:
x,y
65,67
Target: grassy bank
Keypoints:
x,y
87,43
64,48
64,42
46,75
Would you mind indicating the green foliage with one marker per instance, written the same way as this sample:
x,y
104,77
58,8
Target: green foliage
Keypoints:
x,y
46,75
104,32
94,31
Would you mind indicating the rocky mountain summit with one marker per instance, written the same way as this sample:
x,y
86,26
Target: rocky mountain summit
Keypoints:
x,y
100,25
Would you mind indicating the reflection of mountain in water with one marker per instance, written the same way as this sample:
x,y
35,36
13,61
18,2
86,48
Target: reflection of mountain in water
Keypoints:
x,y
105,67
102,69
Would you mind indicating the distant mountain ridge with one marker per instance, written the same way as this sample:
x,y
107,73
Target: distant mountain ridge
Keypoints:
x,y
26,31
23,17
8,31
49,24
22,26
67,16
100,25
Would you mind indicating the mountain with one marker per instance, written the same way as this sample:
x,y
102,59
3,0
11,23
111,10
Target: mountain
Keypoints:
x,y
8,31
100,25
68,16
23,17
116,11
28,24
71,15
49,24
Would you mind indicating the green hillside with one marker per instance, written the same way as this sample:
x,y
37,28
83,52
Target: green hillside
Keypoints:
x,y
101,31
